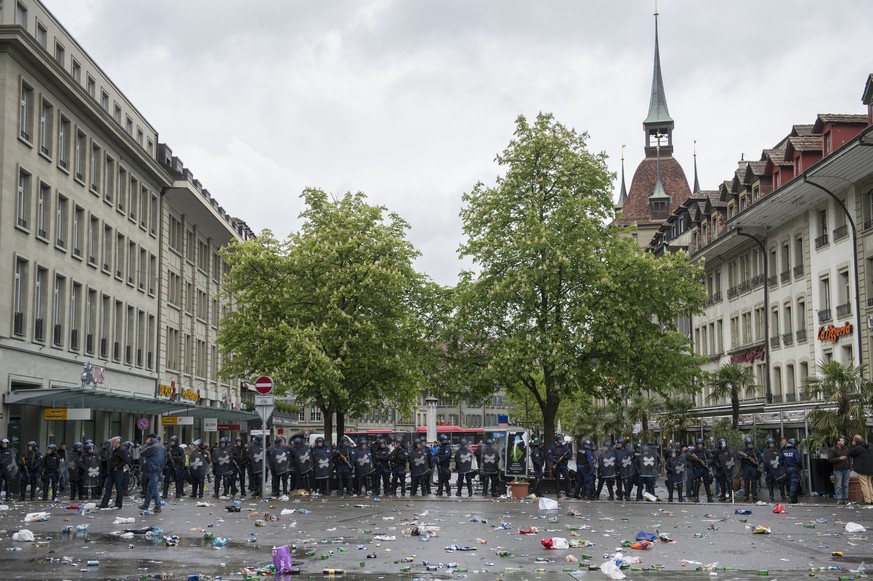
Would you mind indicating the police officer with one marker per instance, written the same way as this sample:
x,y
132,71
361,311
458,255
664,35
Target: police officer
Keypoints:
x,y
488,467
175,468
559,456
398,464
321,467
198,463
649,463
444,467
431,462
724,464
8,468
30,465
51,466
418,467
624,460
343,459
255,457
585,470
222,468
675,469
537,461
382,457
240,466
89,466
750,462
279,458
702,470
74,475
302,464
117,466
793,462
774,472
365,467
606,469
464,467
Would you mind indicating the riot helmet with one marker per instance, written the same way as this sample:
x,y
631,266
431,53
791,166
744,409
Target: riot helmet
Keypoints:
x,y
77,446
223,441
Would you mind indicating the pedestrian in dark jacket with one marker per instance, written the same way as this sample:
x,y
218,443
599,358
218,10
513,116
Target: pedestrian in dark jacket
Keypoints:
x,y
153,458
116,469
862,464
839,459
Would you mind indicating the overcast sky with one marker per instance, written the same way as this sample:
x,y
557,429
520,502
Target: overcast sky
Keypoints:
x,y
409,101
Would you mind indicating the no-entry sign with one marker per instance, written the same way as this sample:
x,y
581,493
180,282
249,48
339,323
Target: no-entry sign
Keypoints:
x,y
142,424
264,385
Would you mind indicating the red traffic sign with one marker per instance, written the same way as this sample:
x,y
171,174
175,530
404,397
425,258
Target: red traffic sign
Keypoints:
x,y
264,385
142,424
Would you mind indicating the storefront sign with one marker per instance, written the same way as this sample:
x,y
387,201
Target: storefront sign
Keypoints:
x,y
177,421
66,414
173,393
831,333
749,356
228,427
210,424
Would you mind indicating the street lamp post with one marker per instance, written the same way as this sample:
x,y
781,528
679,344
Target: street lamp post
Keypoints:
x,y
430,404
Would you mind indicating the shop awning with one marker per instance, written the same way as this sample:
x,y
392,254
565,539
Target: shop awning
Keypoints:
x,y
78,397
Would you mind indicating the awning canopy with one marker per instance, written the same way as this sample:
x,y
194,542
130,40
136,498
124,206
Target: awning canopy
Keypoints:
x,y
118,402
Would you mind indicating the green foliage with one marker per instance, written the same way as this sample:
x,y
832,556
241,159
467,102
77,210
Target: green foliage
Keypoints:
x,y
332,313
732,380
563,305
675,418
844,392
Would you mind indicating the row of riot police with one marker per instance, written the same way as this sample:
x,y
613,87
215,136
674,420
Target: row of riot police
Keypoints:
x,y
83,467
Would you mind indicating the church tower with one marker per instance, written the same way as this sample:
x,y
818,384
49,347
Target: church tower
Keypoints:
x,y
659,184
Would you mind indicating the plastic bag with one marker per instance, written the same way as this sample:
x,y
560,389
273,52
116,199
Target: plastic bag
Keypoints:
x,y
642,545
560,543
611,570
36,517
779,508
853,527
644,536
282,559
23,536
548,504
650,497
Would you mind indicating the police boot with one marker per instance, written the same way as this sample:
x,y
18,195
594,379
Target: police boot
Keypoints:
x,y
708,491
754,487
679,491
747,484
670,492
770,490
696,493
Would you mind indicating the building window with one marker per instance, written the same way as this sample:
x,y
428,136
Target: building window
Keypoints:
x,y
76,71
91,87
119,255
20,14
23,199
314,414
96,155
64,142
122,188
825,293
109,181
61,220
39,304
93,227
46,119
143,207
107,248
116,113
41,35
59,53
79,156
139,136
75,306
132,193
128,126
90,320
25,112
19,297
104,100
43,204
131,262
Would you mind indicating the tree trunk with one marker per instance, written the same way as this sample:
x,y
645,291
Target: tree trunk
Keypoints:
x,y
328,426
340,426
735,410
550,409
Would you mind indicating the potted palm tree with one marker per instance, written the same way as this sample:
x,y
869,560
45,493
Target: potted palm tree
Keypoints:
x,y
731,381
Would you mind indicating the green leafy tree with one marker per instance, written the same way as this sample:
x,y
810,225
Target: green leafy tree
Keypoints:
x,y
844,392
732,381
541,311
333,313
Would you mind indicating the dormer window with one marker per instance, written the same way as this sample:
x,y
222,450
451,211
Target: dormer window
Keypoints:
x,y
659,207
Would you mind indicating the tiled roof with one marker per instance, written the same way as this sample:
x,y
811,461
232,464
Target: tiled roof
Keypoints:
x,y
811,143
636,208
842,118
715,199
801,131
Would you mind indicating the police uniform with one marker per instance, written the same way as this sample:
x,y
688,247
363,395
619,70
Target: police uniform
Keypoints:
x,y
774,471
343,457
793,462
418,468
255,456
624,460
606,471
537,462
321,463
198,464
585,471
382,477
303,464
240,467
464,467
725,464
649,463
89,466
74,475
702,471
175,468
750,462
8,468
222,468
559,455
444,467
398,463
30,465
675,469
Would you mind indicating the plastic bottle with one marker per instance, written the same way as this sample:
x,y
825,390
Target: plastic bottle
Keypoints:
x,y
93,563
333,571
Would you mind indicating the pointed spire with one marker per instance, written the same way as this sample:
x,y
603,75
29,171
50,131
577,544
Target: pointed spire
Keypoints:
x,y
696,189
622,194
658,112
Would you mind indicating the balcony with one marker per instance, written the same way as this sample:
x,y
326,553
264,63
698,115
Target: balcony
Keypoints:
x,y
74,339
775,342
57,336
733,292
841,232
787,338
116,351
89,343
716,297
844,310
38,330
772,281
785,276
800,335
745,286
798,271
825,315
757,280
821,241
104,349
